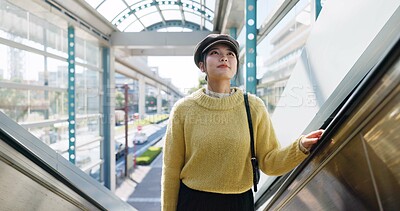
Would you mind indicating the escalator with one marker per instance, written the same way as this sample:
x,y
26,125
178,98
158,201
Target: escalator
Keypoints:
x,y
35,177
356,164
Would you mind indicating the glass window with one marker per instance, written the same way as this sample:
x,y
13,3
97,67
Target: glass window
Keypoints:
x,y
88,159
145,11
14,103
278,52
13,21
131,19
79,50
3,62
25,106
80,77
57,73
50,134
133,93
105,9
27,28
151,19
94,3
56,41
21,66
44,111
87,130
92,53
164,7
35,69
266,6
134,27
93,80
86,51
189,16
36,30
121,16
172,14
131,2
210,4
209,25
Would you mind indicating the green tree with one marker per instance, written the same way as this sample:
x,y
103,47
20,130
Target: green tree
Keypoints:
x,y
13,104
119,100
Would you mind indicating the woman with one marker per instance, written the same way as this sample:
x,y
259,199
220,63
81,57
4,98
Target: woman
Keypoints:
x,y
206,163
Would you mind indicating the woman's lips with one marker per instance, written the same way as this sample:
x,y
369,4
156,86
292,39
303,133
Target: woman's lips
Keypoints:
x,y
222,66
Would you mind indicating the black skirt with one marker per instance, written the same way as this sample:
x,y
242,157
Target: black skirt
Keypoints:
x,y
194,200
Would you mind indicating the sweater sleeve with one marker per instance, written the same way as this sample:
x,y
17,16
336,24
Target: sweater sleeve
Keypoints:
x,y
173,160
273,159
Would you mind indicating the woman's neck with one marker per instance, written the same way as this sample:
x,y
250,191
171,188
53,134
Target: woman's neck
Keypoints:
x,y
218,95
219,88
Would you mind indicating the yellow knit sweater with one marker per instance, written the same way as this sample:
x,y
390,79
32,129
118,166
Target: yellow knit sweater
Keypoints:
x,y
207,146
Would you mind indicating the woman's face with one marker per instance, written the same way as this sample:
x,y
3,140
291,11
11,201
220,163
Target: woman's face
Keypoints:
x,y
220,63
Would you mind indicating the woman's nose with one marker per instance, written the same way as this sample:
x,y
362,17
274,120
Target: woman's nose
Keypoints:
x,y
223,58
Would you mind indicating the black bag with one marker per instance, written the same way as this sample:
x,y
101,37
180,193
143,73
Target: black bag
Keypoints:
x,y
254,161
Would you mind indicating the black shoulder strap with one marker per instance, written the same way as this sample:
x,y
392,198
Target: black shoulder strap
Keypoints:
x,y
254,162
246,103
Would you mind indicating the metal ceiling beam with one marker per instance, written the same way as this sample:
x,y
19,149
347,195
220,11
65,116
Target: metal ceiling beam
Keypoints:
x,y
84,13
174,23
228,14
159,11
219,13
134,14
158,43
203,19
182,13
182,51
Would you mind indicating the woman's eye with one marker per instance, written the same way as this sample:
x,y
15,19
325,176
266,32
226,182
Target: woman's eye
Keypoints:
x,y
213,52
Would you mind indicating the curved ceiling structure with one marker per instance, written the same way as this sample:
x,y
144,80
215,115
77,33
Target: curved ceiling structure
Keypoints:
x,y
153,27
153,15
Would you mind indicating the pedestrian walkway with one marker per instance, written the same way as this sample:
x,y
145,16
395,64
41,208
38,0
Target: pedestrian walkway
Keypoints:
x,y
142,189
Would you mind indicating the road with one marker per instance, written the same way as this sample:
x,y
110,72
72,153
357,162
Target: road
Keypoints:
x,y
139,149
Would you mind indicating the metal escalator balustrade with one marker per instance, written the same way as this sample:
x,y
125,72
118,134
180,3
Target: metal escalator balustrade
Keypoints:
x,y
35,177
355,166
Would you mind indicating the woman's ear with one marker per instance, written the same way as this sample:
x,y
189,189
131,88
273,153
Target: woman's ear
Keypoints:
x,y
201,66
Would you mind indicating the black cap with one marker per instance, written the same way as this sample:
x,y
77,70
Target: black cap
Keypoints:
x,y
211,40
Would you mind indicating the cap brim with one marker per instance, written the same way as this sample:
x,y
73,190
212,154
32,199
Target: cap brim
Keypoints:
x,y
227,42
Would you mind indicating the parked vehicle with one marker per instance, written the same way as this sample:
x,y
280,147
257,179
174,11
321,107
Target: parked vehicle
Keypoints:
x,y
119,117
139,138
119,150
83,159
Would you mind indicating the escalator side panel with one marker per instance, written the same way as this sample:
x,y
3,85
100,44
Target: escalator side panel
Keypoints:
x,y
359,167
343,184
26,186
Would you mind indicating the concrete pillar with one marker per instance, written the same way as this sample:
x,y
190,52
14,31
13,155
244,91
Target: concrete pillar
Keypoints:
x,y
142,96
159,99
107,147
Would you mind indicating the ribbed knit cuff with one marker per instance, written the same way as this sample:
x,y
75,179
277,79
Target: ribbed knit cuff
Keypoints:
x,y
302,148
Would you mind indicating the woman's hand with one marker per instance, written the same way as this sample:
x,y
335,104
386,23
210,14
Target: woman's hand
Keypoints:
x,y
310,139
